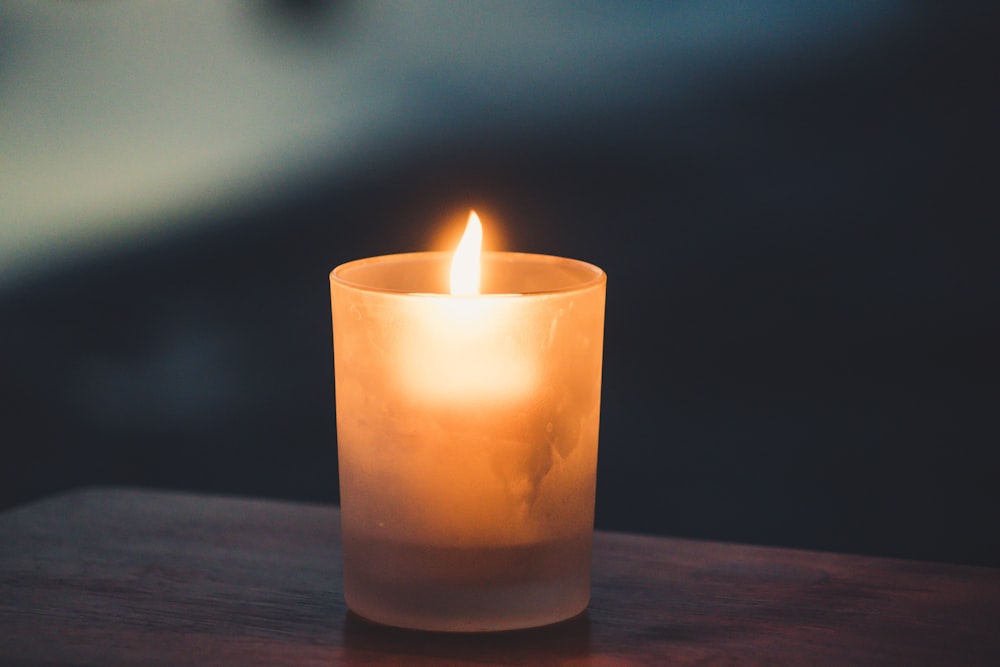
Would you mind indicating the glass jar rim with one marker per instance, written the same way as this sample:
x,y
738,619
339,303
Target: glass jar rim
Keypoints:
x,y
584,275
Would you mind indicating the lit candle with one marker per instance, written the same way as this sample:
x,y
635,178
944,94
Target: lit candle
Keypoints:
x,y
468,401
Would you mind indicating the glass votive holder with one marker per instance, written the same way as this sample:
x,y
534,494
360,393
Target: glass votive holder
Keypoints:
x,y
467,430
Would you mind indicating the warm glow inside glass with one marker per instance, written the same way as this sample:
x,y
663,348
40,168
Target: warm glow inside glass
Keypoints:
x,y
467,438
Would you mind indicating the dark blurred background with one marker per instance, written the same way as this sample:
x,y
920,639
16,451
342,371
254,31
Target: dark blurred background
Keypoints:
x,y
795,204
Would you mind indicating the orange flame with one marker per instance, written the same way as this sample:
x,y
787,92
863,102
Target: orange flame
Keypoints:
x,y
465,264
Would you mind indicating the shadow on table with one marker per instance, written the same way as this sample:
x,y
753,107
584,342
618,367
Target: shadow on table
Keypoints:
x,y
549,644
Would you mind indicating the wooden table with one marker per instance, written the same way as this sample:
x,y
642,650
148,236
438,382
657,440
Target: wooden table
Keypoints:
x,y
126,577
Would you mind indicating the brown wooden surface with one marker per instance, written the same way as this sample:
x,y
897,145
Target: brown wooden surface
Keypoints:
x,y
125,577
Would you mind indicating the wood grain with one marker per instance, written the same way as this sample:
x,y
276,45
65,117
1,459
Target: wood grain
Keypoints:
x,y
128,577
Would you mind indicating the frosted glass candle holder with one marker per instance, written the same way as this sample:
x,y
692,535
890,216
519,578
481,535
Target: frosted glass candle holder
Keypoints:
x,y
467,431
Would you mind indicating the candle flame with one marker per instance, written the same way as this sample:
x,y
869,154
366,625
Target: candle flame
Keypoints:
x,y
465,265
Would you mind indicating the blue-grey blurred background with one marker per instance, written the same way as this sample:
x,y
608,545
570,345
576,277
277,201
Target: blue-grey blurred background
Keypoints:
x,y
796,205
